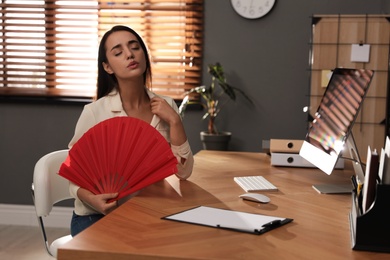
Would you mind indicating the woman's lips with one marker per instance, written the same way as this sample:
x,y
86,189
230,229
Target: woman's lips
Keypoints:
x,y
133,65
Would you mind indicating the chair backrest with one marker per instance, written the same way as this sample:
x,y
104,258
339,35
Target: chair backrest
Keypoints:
x,y
49,187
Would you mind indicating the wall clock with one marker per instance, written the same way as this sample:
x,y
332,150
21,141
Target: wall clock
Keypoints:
x,y
252,9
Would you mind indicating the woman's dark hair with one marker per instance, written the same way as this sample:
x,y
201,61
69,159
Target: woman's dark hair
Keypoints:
x,y
107,82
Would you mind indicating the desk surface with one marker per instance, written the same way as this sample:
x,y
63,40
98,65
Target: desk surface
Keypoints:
x,y
320,229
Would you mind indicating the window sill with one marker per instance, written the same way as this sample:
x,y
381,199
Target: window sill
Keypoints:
x,y
50,95
46,95
46,92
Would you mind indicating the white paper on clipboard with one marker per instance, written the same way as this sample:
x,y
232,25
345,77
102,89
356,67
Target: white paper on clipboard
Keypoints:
x,y
229,219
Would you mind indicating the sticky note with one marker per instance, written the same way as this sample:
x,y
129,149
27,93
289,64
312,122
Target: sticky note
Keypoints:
x,y
360,53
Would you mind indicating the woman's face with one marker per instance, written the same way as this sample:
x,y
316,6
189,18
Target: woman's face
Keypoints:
x,y
125,56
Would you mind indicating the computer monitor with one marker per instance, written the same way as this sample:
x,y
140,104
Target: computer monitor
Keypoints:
x,y
331,127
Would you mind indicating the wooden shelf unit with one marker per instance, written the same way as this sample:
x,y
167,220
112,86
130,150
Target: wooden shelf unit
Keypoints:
x,y
330,47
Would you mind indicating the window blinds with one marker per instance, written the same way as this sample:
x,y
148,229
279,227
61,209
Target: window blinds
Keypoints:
x,y
49,48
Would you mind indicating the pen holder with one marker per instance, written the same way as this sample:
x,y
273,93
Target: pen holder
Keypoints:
x,y
371,231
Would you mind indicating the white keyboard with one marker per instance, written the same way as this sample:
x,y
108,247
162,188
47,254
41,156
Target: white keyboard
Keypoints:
x,y
254,183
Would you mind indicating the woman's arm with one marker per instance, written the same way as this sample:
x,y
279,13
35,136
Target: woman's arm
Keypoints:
x,y
178,138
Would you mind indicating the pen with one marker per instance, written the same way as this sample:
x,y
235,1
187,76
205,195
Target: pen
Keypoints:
x,y
273,223
359,188
357,185
238,229
360,197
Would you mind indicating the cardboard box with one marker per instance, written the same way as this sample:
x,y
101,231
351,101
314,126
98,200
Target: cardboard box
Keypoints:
x,y
285,145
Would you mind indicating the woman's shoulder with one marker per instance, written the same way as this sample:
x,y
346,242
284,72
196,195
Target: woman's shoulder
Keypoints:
x,y
106,107
105,100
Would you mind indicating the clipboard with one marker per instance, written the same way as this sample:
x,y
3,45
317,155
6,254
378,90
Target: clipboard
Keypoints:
x,y
229,219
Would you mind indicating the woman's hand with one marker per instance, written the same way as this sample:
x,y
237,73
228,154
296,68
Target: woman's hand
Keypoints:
x,y
161,108
99,202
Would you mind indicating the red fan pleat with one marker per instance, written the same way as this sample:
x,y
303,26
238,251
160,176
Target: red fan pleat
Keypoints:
x,y
120,154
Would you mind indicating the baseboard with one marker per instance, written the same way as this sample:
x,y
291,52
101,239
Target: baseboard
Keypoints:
x,y
24,215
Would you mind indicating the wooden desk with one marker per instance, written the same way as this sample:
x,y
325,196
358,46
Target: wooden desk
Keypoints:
x,y
135,230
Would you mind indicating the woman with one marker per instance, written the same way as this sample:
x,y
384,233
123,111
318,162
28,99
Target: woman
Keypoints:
x,y
124,70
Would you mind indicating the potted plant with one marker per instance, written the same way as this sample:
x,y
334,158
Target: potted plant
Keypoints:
x,y
213,103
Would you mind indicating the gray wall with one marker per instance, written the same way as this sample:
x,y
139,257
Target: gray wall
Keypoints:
x,y
29,130
267,58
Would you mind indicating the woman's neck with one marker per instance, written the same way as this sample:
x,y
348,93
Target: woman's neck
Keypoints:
x,y
133,93
135,101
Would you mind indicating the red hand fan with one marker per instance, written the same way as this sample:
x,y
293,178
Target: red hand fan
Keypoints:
x,y
120,154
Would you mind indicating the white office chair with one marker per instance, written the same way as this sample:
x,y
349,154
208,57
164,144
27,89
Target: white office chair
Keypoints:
x,y
47,189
